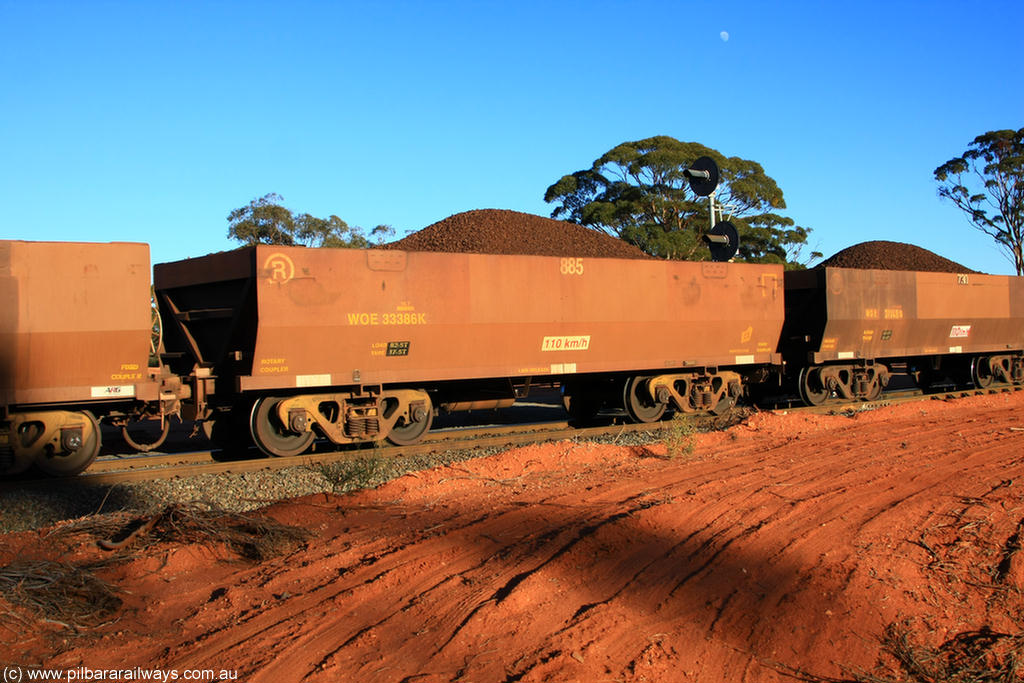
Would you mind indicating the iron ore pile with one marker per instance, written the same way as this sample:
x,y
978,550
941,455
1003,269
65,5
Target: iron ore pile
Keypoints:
x,y
883,255
499,231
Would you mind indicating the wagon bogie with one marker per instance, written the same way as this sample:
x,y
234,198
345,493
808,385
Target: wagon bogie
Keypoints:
x,y
714,391
816,384
56,442
284,426
997,368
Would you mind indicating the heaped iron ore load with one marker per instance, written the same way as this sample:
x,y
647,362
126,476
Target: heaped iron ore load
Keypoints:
x,y
885,255
365,344
498,231
75,332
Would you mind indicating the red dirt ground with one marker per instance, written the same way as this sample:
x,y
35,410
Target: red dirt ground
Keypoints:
x,y
788,542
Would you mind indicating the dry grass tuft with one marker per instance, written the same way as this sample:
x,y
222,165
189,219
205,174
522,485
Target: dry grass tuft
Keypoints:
x,y
358,473
680,437
982,656
60,593
74,597
252,538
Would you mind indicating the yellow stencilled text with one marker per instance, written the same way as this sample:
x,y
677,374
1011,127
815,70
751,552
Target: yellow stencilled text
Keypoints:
x,y
396,318
566,343
129,372
571,266
273,366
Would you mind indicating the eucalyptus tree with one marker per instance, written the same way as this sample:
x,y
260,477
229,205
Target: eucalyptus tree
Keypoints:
x,y
987,183
265,221
638,191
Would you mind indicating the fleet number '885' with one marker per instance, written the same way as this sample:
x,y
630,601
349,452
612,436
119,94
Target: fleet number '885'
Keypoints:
x,y
571,266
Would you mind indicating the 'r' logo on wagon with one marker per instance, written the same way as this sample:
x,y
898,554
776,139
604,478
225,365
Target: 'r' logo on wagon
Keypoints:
x,y
279,268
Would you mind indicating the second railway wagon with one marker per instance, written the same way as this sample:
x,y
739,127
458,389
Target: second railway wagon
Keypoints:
x,y
846,329
359,345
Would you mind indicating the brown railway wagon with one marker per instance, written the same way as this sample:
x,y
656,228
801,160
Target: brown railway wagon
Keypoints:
x,y
360,342
75,326
840,321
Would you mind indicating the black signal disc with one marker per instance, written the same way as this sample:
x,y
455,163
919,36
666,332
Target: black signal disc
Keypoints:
x,y
703,187
723,249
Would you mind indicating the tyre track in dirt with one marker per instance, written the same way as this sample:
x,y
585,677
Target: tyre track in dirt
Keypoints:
x,y
787,540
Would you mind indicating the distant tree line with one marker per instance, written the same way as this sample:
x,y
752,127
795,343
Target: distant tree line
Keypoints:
x,y
266,221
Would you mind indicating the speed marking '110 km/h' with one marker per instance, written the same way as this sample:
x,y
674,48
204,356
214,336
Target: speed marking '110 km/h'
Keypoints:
x,y
566,343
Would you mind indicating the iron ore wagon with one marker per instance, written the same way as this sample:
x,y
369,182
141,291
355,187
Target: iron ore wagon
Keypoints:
x,y
847,330
359,345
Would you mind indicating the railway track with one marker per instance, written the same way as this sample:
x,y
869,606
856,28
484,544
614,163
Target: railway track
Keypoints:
x,y
136,468
165,466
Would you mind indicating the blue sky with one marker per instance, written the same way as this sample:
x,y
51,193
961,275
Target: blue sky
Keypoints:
x,y
151,121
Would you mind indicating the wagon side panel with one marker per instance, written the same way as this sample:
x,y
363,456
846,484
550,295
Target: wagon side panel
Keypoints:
x,y
895,314
339,317
966,313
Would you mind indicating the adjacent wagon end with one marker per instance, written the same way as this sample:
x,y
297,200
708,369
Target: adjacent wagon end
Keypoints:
x,y
76,334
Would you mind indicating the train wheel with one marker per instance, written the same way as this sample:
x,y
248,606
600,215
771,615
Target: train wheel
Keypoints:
x,y
406,432
141,445
77,461
639,406
812,391
272,437
981,373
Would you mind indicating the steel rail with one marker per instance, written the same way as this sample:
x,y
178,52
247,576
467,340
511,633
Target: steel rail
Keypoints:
x,y
137,461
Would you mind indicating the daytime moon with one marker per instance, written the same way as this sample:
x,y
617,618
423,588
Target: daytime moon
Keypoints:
x,y
725,36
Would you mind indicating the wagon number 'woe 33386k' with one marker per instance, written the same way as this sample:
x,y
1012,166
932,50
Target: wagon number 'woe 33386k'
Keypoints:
x,y
398,318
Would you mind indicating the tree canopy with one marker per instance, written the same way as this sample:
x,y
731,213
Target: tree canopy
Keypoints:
x,y
987,184
638,192
266,221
